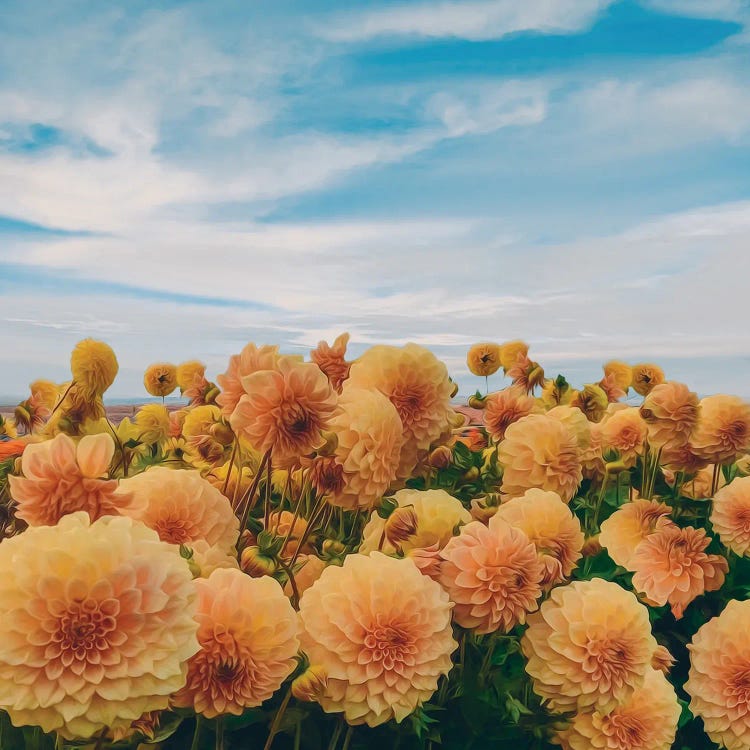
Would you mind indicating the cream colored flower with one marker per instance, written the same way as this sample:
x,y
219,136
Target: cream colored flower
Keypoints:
x,y
730,515
153,423
625,432
503,408
670,411
722,434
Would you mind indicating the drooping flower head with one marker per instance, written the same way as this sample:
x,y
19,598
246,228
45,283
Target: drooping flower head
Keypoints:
x,y
646,376
208,438
60,477
589,645
730,515
670,411
722,434
719,678
160,379
493,574
551,527
248,640
483,359
540,452
382,632
251,359
526,374
592,400
503,408
94,366
96,624
46,391
332,361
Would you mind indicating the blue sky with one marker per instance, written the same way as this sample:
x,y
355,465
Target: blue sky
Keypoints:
x,y
181,178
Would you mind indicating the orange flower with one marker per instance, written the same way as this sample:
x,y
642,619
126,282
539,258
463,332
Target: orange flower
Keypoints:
x,y
284,410
624,432
722,434
96,625
618,372
332,361
483,359
670,411
526,374
551,527
493,574
370,438
503,408
251,359
612,388
589,645
248,640
382,632
592,459
540,452
160,379
61,477
645,721
718,682
11,448
182,507
671,566
730,515
699,486
284,524
511,352
629,525
645,377
682,458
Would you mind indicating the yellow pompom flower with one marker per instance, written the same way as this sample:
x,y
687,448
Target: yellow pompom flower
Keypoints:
x,y
160,379
46,392
510,351
190,372
621,373
94,366
152,421
646,377
483,359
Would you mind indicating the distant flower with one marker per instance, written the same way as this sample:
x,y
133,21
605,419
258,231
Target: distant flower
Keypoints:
x,y
483,359
208,438
722,434
189,374
620,373
332,361
670,411
526,374
46,391
384,653
646,377
730,515
251,359
611,388
592,400
94,366
160,379
153,423
511,352
503,408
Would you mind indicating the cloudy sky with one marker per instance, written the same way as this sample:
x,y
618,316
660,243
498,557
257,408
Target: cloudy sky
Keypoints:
x,y
181,178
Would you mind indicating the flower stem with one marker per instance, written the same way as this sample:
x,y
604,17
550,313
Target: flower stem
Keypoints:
x,y
197,733
336,734
220,733
248,500
277,720
231,466
62,398
292,581
348,738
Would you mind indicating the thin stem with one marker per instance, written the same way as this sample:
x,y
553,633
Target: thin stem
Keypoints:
x,y
317,512
197,733
715,479
336,734
298,736
382,540
277,720
62,399
267,509
100,739
348,738
599,500
119,444
296,514
220,733
231,465
292,581
248,500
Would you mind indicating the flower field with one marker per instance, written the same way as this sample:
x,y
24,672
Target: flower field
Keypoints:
x,y
323,554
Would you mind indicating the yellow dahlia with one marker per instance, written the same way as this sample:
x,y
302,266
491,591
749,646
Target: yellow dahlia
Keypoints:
x,y
645,721
382,632
589,645
730,515
332,361
96,624
46,391
370,438
592,400
722,434
207,436
719,678
493,574
539,451
503,408
152,421
575,420
552,529
625,432
94,366
483,359
646,377
189,374
248,640
670,411
511,351
621,373
160,379
438,515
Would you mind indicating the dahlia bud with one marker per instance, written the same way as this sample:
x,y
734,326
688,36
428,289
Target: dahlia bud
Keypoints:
x,y
400,525
662,659
591,546
457,420
256,564
222,432
454,392
387,506
477,402
211,394
186,553
247,539
472,474
333,547
269,543
331,443
441,457
311,684
615,467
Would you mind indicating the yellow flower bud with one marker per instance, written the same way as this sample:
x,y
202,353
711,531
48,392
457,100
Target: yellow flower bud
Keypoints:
x,y
401,524
256,564
311,684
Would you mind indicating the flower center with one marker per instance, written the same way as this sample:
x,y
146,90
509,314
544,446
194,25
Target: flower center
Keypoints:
x,y
172,530
408,403
626,730
84,630
390,646
607,660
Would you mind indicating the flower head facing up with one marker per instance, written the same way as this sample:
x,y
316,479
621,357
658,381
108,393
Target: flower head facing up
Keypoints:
x,y
589,645
382,632
285,410
332,361
646,377
511,352
672,567
730,515
719,678
503,408
61,477
96,624
152,421
670,411
248,640
722,434
483,359
493,574
94,366
160,379
190,374
620,373
540,452
625,432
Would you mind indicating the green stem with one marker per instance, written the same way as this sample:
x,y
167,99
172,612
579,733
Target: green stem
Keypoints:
x,y
292,582
348,738
598,506
277,720
197,733
298,736
267,503
231,465
336,734
62,398
220,733
248,501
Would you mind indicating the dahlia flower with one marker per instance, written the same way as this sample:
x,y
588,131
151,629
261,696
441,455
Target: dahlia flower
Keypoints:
x,y
382,632
620,372
370,438
46,391
503,408
483,359
247,631
646,377
629,525
540,452
722,434
309,569
160,379
589,645
208,438
511,351
94,366
60,477
251,359
672,567
153,422
670,411
575,420
189,374
493,574
730,515
647,720
719,678
96,624
207,559
438,515
551,527
332,361
526,374
182,507
592,400
625,432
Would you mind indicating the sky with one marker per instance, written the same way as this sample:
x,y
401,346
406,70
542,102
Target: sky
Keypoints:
x,y
178,179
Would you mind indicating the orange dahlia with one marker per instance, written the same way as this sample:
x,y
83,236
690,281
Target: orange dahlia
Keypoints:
x,y
575,420
552,529
719,678
332,361
503,408
625,432
251,359
730,515
511,352
382,632
284,410
646,377
247,631
589,645
60,477
483,359
160,379
540,452
672,567
96,624
493,574
670,411
722,434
